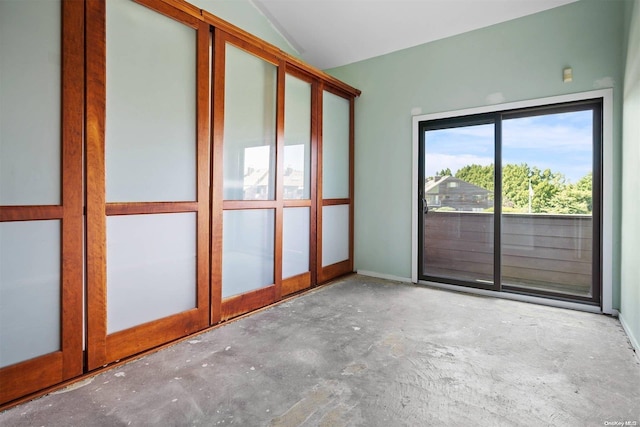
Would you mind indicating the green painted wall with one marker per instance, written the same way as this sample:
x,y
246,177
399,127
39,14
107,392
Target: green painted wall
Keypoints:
x,y
243,14
512,61
630,268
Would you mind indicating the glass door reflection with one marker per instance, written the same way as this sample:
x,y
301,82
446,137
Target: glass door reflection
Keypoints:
x,y
457,203
547,202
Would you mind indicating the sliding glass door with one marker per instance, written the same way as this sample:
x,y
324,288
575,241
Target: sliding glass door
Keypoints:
x,y
510,201
550,215
457,200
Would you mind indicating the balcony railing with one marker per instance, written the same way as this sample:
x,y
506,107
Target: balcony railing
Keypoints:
x,y
541,251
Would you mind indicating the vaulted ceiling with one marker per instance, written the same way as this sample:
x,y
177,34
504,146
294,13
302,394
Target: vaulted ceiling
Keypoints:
x,y
330,33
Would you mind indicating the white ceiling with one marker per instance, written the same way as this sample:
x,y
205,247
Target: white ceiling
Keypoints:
x,y
330,33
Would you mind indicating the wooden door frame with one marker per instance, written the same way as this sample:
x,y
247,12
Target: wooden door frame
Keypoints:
x,y
305,280
34,374
103,348
341,268
224,309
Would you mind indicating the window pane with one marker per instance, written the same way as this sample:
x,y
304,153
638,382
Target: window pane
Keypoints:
x,y
30,102
335,146
295,242
335,234
297,138
29,290
249,126
547,221
151,106
151,267
247,252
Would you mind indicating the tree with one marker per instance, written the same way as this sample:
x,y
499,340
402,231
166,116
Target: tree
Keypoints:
x,y
444,172
545,184
574,198
548,190
482,176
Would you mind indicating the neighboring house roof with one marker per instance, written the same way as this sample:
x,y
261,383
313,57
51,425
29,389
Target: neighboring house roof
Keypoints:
x,y
256,177
260,177
466,187
294,178
453,193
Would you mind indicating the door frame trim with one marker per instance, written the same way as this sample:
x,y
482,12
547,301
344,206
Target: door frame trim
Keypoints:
x,y
607,174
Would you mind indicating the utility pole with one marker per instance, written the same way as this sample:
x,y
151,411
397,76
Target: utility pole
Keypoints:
x,y
530,194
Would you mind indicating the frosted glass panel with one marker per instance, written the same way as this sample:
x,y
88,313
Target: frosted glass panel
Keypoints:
x,y
335,146
249,126
151,267
29,290
297,138
247,252
335,234
151,106
30,102
295,244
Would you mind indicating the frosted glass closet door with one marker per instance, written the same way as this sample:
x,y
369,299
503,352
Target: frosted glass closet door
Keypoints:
x,y
297,139
295,242
30,174
151,268
248,248
335,178
150,152
335,234
296,227
248,234
151,106
30,102
335,146
249,126
29,290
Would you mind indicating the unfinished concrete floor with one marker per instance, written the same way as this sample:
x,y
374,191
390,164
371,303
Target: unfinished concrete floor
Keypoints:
x,y
369,352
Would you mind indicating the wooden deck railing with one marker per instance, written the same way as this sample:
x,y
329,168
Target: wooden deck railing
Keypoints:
x,y
552,252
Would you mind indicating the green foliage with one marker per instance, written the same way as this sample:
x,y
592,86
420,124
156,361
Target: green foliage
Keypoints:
x,y
574,198
545,185
445,172
482,176
547,191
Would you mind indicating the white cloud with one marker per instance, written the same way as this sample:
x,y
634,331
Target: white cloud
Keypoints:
x,y
561,142
521,133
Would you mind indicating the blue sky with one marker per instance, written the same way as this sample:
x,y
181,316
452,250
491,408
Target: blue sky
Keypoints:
x,y
561,142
